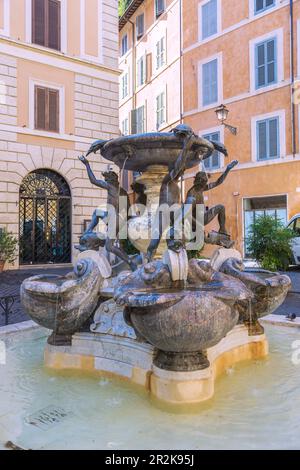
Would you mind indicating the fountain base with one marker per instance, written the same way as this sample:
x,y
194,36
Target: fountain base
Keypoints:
x,y
134,361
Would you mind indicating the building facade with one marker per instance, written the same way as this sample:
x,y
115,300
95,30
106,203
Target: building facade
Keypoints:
x,y
58,93
244,54
149,48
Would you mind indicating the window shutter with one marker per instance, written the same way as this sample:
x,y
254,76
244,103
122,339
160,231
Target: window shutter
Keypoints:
x,y
209,19
54,110
271,59
54,26
148,67
134,121
273,138
140,26
40,108
260,65
262,139
38,22
160,7
213,162
210,82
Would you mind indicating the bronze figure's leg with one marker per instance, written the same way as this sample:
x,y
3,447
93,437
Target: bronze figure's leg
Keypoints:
x,y
213,212
115,250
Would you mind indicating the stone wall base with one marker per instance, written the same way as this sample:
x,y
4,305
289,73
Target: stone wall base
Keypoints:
x,y
133,361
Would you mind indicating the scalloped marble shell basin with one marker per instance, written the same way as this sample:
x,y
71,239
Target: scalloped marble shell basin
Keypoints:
x,y
256,405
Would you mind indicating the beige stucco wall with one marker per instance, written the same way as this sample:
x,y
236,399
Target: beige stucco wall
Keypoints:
x,y
91,109
1,14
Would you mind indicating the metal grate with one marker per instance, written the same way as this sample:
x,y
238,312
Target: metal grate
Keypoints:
x,y
45,219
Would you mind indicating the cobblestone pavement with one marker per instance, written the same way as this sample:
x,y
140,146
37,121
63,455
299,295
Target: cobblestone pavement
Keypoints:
x,y
10,282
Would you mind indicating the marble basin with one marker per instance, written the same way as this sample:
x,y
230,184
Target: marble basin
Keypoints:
x,y
181,322
62,303
269,289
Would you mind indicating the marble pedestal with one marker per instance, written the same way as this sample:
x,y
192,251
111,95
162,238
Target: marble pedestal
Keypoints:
x,y
127,358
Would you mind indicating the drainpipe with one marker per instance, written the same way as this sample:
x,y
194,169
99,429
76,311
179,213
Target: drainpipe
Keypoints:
x,y
133,65
292,78
181,61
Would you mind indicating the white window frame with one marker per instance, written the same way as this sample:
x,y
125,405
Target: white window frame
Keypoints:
x,y
121,52
64,25
140,14
123,97
162,53
219,58
142,82
163,123
156,18
282,136
213,130
278,34
143,105
31,106
219,21
125,128
252,13
5,31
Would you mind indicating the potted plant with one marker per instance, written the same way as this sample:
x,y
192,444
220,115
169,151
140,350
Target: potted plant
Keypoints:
x,y
8,244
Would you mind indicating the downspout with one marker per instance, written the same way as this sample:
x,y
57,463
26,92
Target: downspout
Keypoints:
x,y
292,79
133,65
181,62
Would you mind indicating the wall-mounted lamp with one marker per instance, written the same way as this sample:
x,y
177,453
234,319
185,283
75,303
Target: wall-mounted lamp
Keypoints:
x,y
222,115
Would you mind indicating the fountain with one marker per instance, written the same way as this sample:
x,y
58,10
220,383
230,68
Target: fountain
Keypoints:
x,y
159,320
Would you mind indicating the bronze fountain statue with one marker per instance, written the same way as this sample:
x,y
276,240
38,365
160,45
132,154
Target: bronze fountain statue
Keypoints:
x,y
178,307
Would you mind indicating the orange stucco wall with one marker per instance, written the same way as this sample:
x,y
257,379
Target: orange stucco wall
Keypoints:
x,y
251,178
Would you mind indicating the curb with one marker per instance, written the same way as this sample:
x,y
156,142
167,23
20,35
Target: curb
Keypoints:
x,y
280,320
22,326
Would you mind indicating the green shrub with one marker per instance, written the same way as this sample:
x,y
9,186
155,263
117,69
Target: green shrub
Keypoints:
x,y
270,243
8,244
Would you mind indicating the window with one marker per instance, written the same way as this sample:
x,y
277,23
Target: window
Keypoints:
x,y
46,116
125,126
124,85
124,45
140,25
141,71
160,110
46,23
210,82
138,120
262,5
209,15
267,133
160,53
159,7
213,162
274,206
266,63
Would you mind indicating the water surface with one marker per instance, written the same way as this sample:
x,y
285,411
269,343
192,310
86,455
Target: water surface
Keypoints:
x,y
256,405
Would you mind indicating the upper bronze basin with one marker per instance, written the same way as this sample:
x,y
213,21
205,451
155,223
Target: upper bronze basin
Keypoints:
x,y
138,152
